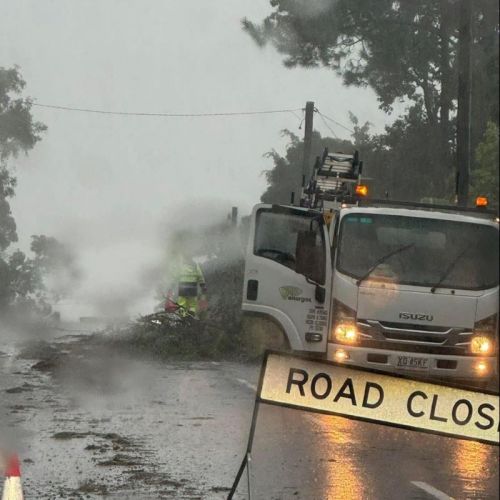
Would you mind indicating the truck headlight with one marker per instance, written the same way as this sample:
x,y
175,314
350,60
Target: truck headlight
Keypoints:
x,y
481,344
344,328
485,332
346,332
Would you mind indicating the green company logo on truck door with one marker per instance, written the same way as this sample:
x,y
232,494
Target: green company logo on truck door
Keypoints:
x,y
293,293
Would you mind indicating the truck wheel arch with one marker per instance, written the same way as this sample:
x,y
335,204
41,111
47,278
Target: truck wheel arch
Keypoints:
x,y
281,324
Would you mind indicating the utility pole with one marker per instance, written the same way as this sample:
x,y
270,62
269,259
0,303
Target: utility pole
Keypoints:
x,y
308,129
234,216
464,101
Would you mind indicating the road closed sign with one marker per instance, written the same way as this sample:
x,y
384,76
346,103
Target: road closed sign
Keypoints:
x,y
336,389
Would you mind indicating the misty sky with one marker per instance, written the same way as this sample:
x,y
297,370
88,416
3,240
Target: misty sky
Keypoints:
x,y
108,183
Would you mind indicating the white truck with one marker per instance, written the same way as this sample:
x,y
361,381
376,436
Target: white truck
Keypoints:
x,y
388,285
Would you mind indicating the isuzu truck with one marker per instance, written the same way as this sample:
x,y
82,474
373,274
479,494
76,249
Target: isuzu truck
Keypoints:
x,y
395,286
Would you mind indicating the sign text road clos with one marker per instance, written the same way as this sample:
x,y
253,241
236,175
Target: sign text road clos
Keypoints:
x,y
360,394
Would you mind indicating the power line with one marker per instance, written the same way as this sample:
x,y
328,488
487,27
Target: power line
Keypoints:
x,y
192,115
167,115
327,126
335,121
293,111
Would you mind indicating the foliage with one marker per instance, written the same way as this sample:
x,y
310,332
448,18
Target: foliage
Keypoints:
x,y
390,46
406,51
56,264
219,334
188,340
20,278
396,163
485,173
8,232
21,285
18,131
402,49
52,255
403,161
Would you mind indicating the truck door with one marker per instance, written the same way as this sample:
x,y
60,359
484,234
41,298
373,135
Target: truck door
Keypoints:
x,y
288,273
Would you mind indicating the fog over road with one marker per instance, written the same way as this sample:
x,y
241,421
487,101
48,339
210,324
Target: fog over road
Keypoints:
x,y
89,423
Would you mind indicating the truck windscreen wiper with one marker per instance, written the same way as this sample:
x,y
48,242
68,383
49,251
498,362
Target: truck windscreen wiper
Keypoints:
x,y
449,269
383,259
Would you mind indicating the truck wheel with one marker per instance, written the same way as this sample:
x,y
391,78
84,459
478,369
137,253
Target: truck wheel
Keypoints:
x,y
260,334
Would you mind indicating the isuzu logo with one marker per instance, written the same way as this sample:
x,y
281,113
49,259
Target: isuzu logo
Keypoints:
x,y
416,316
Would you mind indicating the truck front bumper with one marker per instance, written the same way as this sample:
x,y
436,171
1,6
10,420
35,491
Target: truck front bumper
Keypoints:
x,y
469,368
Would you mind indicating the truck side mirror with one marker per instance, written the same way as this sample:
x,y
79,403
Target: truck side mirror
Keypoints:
x,y
308,256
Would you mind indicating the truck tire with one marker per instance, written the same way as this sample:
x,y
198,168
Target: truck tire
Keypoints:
x,y
260,334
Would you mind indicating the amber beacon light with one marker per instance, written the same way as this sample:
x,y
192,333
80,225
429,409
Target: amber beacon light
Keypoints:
x,y
481,202
362,190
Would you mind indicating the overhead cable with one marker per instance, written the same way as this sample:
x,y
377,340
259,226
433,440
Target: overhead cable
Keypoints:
x,y
168,115
335,121
327,126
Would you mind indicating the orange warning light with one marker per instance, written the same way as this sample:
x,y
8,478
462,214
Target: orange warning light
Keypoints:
x,y
361,190
481,201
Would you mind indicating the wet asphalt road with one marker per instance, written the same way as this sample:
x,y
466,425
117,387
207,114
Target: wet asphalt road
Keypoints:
x,y
125,428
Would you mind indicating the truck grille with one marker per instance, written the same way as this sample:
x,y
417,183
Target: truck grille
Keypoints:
x,y
415,338
418,328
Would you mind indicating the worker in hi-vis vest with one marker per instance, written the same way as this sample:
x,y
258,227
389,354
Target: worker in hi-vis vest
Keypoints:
x,y
191,291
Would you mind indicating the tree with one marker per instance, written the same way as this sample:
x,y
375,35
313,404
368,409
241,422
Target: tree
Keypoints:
x,y
395,162
21,284
55,264
8,232
403,164
485,173
18,133
405,50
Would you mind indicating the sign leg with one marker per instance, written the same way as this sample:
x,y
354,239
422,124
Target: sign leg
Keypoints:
x,y
246,459
237,478
249,462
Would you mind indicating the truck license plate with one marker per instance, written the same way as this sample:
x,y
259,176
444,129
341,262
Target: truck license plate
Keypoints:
x,y
412,363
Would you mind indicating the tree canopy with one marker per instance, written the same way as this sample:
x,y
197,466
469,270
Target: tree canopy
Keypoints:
x,y
485,174
18,130
406,51
21,282
402,49
18,133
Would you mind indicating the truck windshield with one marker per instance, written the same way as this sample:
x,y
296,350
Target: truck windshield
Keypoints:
x,y
468,251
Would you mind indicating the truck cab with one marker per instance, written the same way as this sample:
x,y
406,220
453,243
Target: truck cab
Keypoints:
x,y
397,289
416,290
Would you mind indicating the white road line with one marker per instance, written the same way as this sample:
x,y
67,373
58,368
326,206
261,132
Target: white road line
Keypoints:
x,y
431,490
247,384
215,363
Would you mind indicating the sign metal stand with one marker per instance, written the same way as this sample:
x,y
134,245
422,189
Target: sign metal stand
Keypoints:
x,y
248,455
